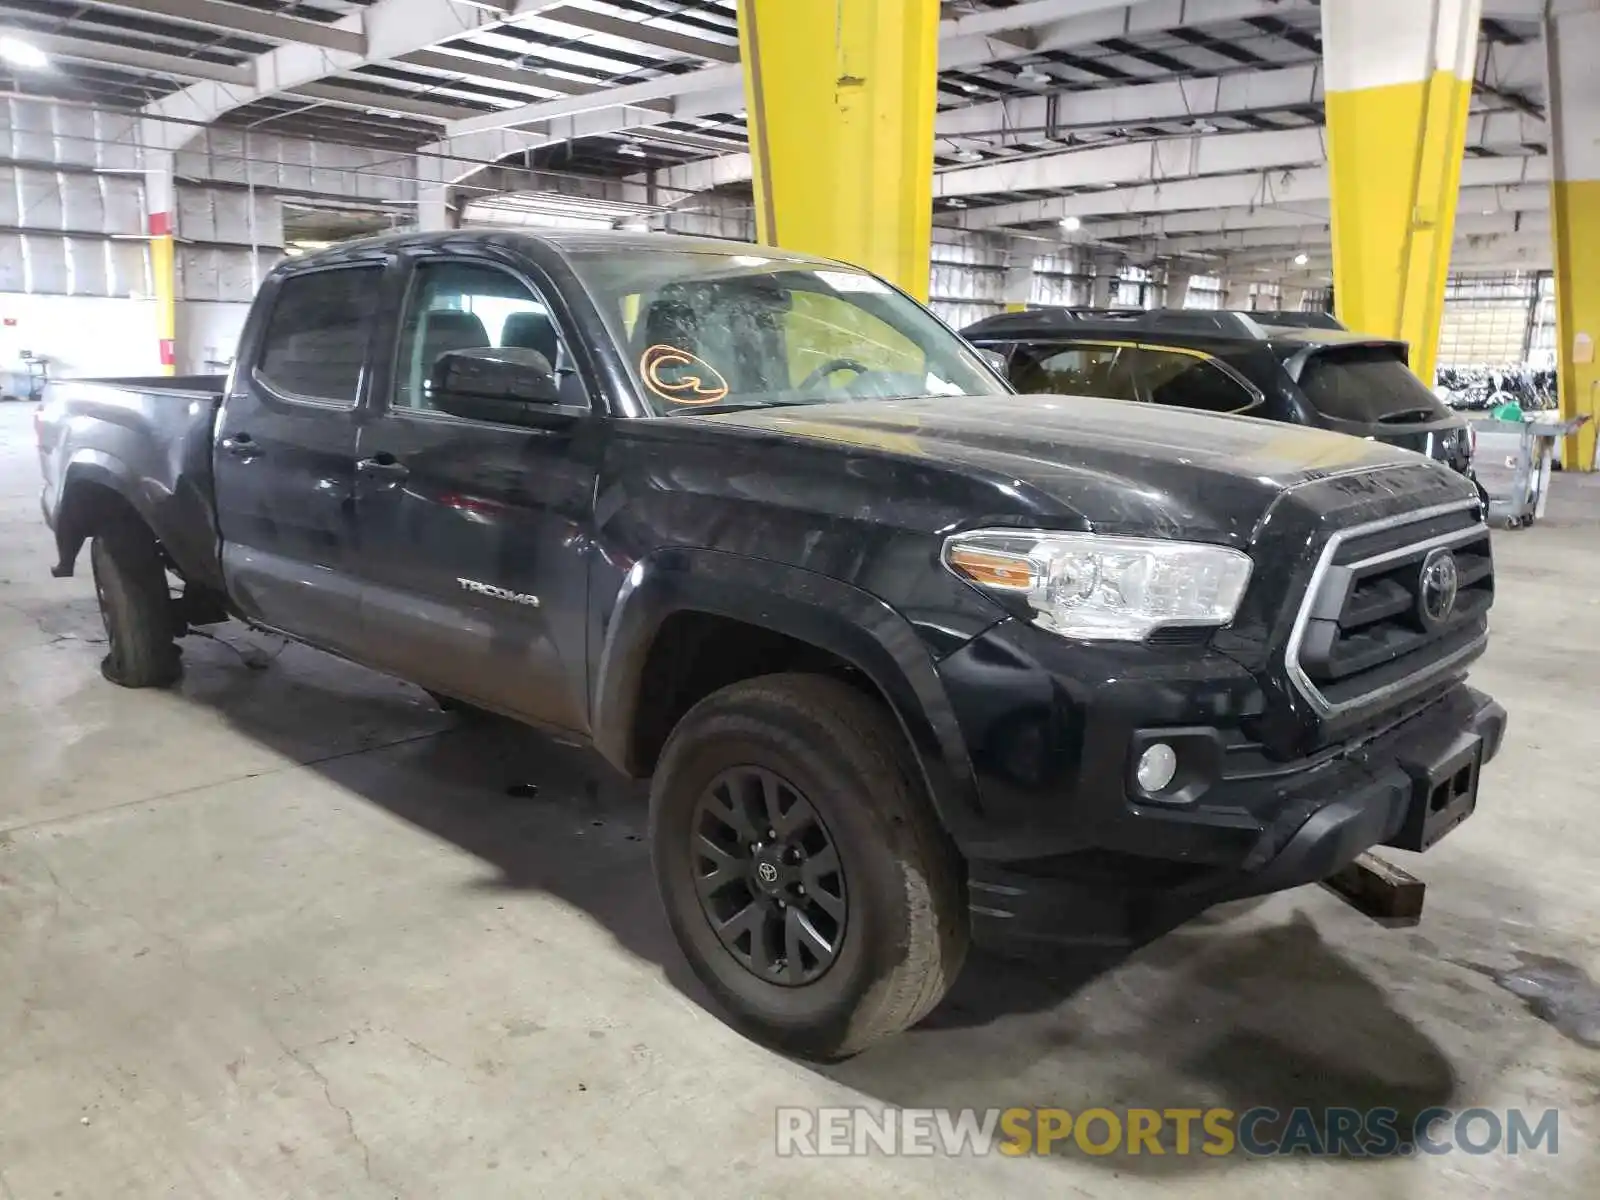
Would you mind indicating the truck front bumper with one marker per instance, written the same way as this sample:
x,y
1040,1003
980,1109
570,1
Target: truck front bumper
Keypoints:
x,y
1078,856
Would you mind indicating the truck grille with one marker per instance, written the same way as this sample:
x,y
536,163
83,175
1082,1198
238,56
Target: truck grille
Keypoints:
x,y
1391,607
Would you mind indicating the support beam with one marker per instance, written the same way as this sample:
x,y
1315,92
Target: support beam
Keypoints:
x,y
841,106
1532,200
645,32
1177,288
359,98
1276,187
113,55
391,28
344,34
494,72
1316,237
1189,157
1399,85
1574,103
631,95
1018,286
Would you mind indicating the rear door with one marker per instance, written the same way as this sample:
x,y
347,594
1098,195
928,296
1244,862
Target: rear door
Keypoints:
x,y
285,454
474,533
1075,369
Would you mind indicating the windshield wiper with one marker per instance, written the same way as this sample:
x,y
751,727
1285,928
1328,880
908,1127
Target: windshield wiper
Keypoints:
x,y
723,406
1420,413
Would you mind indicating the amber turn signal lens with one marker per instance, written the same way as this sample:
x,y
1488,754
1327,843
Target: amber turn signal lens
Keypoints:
x,y
989,569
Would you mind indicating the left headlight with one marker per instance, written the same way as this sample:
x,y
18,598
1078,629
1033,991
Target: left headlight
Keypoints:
x,y
1084,585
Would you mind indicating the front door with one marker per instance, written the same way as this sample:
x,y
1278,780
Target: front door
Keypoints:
x,y
285,456
474,533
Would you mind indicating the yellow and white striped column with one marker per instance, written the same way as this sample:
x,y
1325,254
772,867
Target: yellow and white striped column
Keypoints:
x,y
1397,84
1574,78
840,97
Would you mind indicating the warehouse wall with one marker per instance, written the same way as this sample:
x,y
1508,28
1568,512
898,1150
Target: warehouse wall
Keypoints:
x,y
73,218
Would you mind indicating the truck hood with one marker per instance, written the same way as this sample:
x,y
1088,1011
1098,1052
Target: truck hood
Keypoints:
x,y
1118,466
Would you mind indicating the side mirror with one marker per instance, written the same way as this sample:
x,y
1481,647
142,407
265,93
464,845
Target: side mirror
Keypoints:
x,y
492,383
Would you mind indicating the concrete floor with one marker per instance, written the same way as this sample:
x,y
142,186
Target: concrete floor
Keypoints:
x,y
284,933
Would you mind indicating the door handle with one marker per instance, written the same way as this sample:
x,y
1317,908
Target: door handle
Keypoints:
x,y
384,468
241,446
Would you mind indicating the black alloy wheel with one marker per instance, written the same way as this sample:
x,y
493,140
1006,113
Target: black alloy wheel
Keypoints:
x,y
768,876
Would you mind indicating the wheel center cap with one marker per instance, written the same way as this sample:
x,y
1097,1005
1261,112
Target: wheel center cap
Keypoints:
x,y
768,872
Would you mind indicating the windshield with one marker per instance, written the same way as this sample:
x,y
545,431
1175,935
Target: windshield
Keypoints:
x,y
704,331
1368,384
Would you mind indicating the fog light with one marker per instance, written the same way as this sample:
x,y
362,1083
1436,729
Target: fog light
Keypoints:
x,y
1157,765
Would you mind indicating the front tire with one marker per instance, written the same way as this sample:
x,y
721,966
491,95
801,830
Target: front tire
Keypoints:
x,y
803,871
130,581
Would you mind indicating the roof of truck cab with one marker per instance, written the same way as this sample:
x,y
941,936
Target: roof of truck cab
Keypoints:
x,y
562,241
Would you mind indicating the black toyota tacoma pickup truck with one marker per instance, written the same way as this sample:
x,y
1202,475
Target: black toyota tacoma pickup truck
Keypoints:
x,y
909,658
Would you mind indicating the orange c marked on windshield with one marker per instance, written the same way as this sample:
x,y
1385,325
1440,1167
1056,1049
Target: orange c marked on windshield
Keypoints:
x,y
680,377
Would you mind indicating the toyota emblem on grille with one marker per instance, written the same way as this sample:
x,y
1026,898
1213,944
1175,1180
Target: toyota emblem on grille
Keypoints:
x,y
1437,587
768,873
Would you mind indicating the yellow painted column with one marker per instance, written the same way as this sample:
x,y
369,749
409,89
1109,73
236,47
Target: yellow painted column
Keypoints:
x,y
1398,85
840,97
160,202
1570,43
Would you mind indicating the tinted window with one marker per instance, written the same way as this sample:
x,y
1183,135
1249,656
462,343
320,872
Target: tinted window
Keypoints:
x,y
1192,382
465,306
1085,370
1369,384
316,339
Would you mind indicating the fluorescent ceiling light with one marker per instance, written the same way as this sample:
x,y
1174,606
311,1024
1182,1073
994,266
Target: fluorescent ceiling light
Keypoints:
x,y
631,150
1071,224
1033,75
1301,260
964,155
22,54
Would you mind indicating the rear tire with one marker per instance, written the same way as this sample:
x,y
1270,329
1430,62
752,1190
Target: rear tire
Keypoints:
x,y
831,771
130,581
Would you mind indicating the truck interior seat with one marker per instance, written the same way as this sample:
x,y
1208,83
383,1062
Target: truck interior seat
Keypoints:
x,y
443,330
531,330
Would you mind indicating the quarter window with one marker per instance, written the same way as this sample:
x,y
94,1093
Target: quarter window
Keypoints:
x,y
1189,381
316,339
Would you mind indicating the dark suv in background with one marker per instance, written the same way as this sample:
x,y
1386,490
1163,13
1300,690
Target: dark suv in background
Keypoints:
x,y
1302,368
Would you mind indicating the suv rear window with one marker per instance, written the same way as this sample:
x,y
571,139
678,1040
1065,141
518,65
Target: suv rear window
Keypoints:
x,y
1370,385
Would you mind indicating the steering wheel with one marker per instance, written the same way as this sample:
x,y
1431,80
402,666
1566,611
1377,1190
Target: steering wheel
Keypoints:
x,y
828,368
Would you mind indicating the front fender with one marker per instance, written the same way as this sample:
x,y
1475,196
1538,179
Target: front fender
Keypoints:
x,y
850,623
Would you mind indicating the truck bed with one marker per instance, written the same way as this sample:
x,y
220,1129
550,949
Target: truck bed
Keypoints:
x,y
153,437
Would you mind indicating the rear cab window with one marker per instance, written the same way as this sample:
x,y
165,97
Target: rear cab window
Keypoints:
x,y
315,344
1368,385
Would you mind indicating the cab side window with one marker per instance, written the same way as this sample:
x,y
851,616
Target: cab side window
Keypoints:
x,y
315,343
1088,369
1192,381
468,306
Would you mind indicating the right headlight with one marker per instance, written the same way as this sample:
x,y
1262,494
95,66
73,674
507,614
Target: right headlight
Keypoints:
x,y
1085,585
